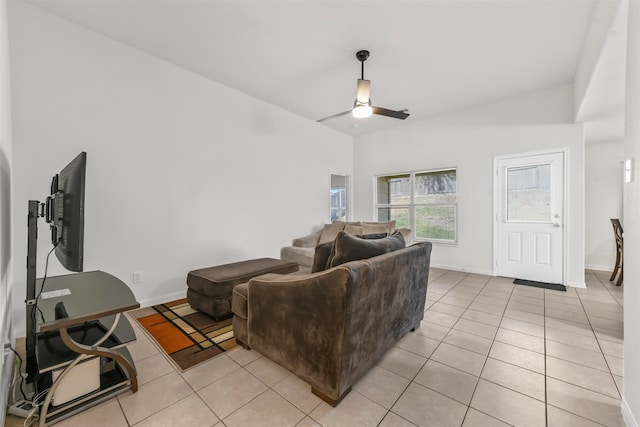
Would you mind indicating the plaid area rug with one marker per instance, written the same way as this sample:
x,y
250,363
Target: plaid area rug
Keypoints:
x,y
188,336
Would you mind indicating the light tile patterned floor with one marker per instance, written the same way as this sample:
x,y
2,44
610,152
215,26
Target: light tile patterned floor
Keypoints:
x,y
488,353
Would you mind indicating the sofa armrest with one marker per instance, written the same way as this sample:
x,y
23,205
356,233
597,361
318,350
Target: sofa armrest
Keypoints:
x,y
309,241
299,323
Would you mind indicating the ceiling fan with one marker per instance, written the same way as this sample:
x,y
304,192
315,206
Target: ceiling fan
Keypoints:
x,y
362,105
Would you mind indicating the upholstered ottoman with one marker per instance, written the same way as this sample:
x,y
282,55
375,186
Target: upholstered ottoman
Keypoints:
x,y
209,289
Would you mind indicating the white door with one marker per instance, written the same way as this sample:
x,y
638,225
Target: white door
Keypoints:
x,y
530,217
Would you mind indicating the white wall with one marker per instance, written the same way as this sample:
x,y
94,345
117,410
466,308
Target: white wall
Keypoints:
x,y
603,17
182,172
6,329
469,140
603,200
631,391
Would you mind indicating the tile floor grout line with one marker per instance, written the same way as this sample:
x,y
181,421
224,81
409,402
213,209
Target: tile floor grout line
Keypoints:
x,y
566,382
607,288
412,380
584,299
544,332
577,415
422,367
600,347
475,388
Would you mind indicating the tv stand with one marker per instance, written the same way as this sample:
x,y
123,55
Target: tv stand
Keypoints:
x,y
93,328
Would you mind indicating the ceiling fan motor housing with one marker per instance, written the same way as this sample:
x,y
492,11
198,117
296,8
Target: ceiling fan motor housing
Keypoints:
x,y
362,55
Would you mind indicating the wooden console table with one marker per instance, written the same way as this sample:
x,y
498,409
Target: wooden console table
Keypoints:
x,y
93,328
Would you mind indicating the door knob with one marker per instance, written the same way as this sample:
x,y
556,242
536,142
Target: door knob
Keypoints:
x,y
555,224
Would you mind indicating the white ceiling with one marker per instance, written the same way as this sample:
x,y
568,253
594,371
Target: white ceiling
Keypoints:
x,y
430,57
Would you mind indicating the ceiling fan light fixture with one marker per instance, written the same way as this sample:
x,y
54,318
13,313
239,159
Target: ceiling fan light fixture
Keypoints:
x,y
362,106
361,109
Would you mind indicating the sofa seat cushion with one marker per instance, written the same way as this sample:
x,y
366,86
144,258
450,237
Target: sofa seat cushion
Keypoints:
x,y
351,248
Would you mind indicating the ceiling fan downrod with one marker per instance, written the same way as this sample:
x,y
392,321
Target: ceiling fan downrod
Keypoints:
x,y
362,56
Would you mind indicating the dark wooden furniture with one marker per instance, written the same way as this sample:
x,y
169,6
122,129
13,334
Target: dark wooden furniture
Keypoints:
x,y
617,232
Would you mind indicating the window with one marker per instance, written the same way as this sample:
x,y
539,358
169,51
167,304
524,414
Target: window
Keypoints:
x,y
529,193
424,201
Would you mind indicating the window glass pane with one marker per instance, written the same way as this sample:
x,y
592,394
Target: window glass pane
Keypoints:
x,y
394,190
338,204
436,222
400,215
436,187
529,193
338,197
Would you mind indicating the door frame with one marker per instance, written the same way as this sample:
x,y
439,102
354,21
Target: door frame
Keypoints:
x,y
565,207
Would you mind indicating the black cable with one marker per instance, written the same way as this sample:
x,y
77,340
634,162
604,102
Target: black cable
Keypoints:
x,y
20,372
46,267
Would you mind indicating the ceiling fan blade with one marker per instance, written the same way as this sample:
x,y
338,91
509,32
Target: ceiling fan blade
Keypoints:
x,y
364,88
401,114
344,113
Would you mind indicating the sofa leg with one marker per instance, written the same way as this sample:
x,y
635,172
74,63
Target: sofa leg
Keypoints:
x,y
330,401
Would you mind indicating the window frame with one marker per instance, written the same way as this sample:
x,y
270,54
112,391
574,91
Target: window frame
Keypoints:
x,y
412,205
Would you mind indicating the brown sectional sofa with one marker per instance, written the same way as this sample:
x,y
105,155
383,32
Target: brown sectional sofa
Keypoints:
x,y
330,327
302,248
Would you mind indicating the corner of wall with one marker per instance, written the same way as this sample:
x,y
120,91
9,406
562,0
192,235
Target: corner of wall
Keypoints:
x,y
629,419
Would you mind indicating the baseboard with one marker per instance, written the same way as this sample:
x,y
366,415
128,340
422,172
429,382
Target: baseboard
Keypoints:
x,y
163,298
463,269
629,419
599,267
580,285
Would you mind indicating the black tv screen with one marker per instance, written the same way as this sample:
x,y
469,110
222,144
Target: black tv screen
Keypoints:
x,y
67,213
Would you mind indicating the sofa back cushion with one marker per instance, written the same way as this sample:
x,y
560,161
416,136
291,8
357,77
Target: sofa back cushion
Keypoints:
x,y
379,227
350,248
330,231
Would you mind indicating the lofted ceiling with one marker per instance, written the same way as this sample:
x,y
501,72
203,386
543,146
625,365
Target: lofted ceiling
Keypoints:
x,y
431,57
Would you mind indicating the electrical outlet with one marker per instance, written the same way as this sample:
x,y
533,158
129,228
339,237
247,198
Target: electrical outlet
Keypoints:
x,y
137,277
21,408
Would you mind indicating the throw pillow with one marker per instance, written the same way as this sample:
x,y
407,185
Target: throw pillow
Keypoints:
x,y
332,254
350,248
321,256
330,231
372,236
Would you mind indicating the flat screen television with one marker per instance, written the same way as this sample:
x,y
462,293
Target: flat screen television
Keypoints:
x,y
65,213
